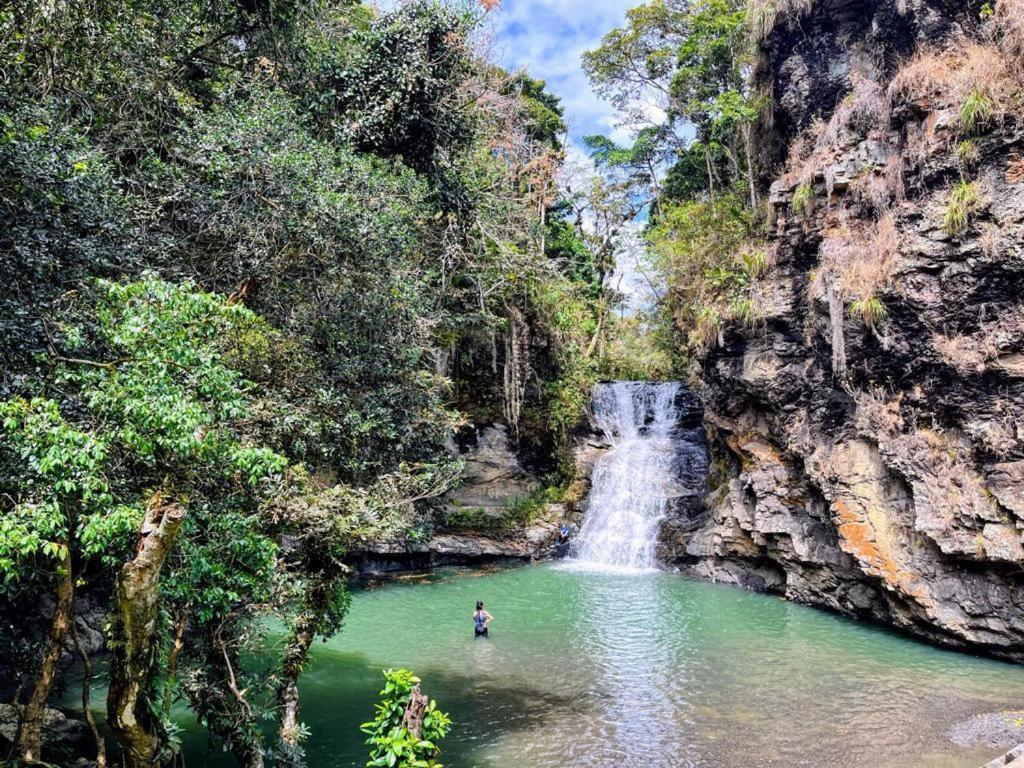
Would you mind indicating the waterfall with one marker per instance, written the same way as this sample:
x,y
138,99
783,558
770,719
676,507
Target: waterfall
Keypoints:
x,y
635,481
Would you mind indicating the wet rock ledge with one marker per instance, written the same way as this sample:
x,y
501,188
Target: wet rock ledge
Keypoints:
x,y
478,523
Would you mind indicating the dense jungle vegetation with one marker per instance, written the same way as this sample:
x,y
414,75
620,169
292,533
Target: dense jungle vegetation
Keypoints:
x,y
262,259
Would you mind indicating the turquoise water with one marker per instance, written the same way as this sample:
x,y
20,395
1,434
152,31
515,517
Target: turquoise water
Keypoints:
x,y
650,670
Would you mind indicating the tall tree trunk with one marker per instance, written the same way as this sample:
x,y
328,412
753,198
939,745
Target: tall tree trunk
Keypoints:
x,y
134,640
101,747
296,653
30,728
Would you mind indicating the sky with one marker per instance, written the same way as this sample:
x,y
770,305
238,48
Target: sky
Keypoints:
x,y
548,38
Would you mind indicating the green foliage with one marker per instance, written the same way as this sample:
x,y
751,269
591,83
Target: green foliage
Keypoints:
x,y
698,54
975,111
755,262
392,744
635,349
640,53
871,311
335,235
546,123
703,252
967,152
519,511
709,81
693,59
158,399
64,220
66,501
964,200
394,89
707,327
568,320
803,197
744,310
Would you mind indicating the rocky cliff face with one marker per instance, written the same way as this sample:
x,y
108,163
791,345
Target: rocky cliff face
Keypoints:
x,y
869,432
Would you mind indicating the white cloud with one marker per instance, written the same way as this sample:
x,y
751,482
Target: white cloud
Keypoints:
x,y
549,39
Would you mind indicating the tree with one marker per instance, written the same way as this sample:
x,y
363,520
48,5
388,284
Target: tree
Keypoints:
x,y
324,524
64,516
695,57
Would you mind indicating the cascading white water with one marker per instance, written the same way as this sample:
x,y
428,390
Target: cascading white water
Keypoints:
x,y
633,482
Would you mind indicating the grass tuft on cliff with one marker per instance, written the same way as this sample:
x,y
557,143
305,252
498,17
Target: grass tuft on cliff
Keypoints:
x,y
964,200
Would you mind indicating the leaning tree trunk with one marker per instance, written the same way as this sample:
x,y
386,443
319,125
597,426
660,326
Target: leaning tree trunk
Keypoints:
x,y
30,729
296,653
97,737
134,642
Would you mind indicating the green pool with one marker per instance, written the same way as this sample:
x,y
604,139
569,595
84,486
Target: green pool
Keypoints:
x,y
600,669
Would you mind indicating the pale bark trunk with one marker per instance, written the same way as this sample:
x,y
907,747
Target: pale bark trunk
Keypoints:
x,y
835,318
295,656
592,346
30,729
134,649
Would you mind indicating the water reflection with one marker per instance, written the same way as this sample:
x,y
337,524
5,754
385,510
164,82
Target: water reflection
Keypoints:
x,y
621,626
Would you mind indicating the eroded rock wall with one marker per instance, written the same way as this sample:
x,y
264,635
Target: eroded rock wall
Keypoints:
x,y
870,456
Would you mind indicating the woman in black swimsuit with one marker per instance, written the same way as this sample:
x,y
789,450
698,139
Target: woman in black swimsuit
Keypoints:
x,y
481,619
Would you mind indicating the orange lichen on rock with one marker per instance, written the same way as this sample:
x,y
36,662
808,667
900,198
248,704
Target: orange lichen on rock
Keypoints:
x,y
860,538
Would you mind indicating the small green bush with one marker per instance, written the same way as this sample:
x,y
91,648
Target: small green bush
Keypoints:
x,y
975,111
967,152
391,743
755,262
744,310
707,327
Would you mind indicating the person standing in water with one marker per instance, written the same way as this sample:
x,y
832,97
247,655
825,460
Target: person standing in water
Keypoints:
x,y
481,619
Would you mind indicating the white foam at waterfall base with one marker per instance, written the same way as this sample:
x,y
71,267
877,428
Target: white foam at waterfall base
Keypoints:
x,y
631,483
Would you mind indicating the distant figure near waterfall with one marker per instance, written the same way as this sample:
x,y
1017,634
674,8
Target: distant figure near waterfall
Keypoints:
x,y
481,619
